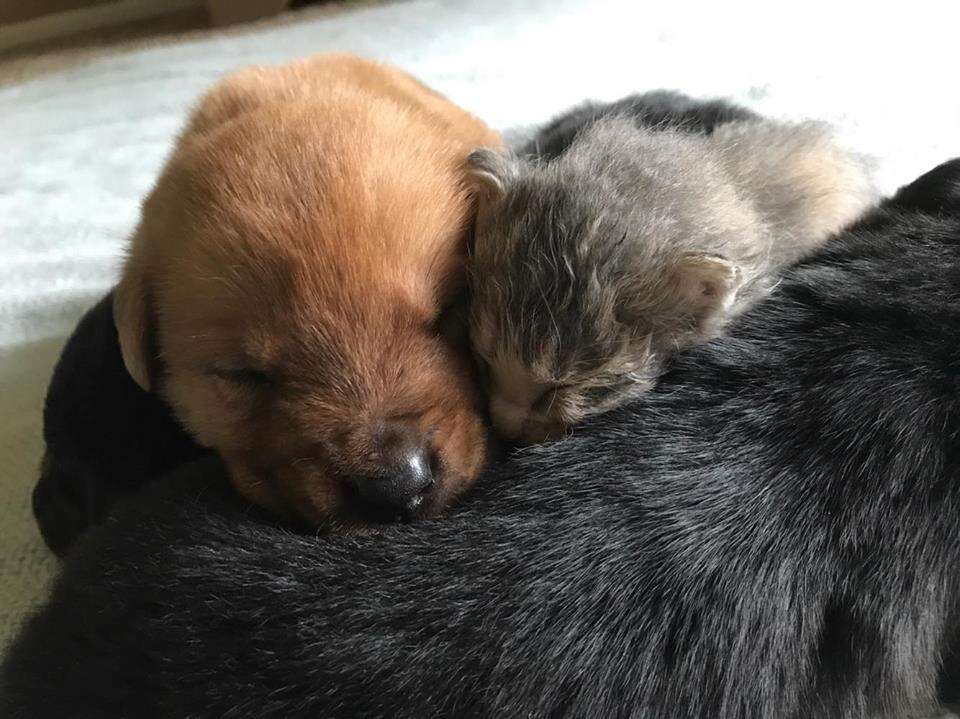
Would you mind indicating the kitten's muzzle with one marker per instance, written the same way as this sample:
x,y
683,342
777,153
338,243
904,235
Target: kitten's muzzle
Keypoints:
x,y
537,430
522,423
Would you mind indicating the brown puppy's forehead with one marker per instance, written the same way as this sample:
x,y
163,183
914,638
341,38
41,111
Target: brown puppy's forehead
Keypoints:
x,y
282,251
276,316
283,175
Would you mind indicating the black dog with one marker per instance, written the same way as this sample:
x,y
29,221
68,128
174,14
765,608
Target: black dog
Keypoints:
x,y
774,531
104,435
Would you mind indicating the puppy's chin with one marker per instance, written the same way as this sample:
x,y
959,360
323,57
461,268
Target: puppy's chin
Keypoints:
x,y
284,496
311,499
355,515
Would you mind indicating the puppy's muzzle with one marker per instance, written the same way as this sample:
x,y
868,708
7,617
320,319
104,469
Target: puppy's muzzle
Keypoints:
x,y
408,473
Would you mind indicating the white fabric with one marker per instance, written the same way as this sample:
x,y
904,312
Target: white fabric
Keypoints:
x,y
82,136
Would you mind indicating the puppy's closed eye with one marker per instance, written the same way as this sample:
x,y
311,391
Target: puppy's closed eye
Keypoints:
x,y
245,377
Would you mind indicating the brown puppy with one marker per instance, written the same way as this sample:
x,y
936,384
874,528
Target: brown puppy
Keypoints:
x,y
284,289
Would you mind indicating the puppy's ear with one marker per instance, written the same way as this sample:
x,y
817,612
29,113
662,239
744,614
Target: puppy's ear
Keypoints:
x,y
692,300
132,316
490,173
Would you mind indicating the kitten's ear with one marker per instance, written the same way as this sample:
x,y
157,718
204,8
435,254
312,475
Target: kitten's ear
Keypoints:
x,y
702,288
490,172
132,317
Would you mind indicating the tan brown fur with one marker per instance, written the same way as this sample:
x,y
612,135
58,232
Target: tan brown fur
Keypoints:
x,y
310,225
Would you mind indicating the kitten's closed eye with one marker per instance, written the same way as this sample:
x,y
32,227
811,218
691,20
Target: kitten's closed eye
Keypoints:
x,y
598,393
544,401
613,389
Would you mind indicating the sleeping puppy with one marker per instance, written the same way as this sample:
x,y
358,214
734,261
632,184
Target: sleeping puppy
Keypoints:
x,y
595,264
286,288
772,531
104,436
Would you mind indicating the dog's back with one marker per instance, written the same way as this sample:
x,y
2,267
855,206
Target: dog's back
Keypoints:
x,y
656,109
774,531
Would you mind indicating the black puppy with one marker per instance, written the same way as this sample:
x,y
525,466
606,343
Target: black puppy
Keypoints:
x,y
773,531
104,435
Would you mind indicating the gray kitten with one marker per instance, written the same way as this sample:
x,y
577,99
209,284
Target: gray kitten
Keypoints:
x,y
591,269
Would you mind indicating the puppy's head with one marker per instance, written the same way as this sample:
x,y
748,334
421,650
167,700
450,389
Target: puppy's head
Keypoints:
x,y
293,285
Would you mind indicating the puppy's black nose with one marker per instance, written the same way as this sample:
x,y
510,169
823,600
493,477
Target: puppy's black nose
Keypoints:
x,y
406,475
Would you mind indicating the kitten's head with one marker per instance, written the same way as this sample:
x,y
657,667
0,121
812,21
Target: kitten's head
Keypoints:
x,y
578,296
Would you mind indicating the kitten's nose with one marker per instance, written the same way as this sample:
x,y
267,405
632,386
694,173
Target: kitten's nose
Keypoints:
x,y
406,474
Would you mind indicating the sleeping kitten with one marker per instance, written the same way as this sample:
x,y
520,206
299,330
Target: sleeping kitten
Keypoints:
x,y
646,235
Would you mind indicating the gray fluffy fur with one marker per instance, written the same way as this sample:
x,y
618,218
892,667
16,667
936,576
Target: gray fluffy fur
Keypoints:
x,y
592,269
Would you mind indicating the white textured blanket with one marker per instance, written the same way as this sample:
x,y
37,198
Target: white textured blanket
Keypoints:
x,y
82,136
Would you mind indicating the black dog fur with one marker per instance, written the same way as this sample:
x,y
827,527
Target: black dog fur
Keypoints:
x,y
659,108
104,435
774,531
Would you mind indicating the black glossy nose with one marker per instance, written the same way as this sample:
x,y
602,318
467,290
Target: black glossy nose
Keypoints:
x,y
407,473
